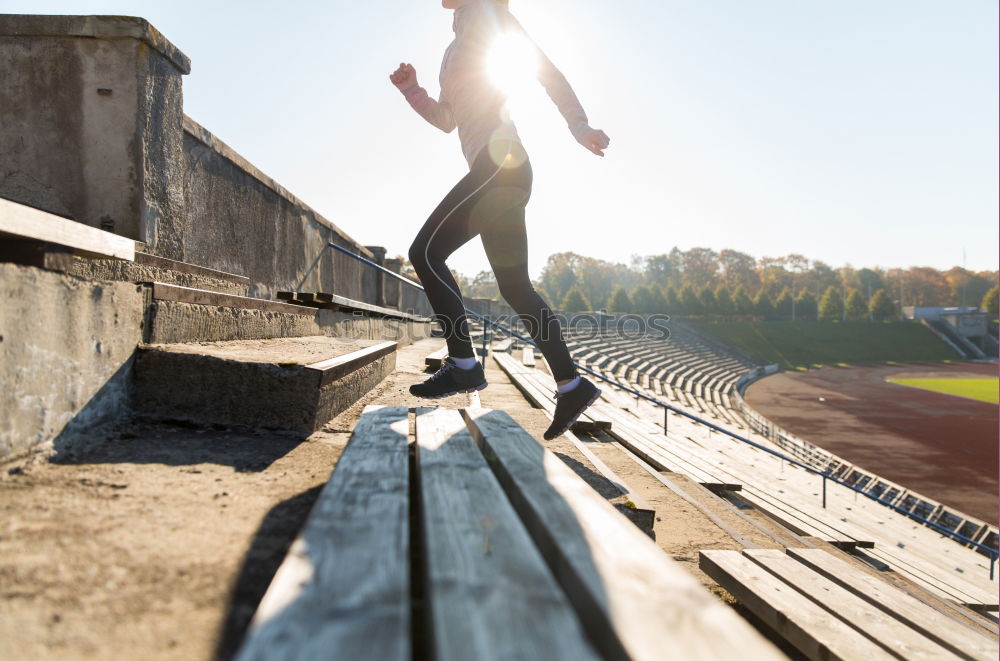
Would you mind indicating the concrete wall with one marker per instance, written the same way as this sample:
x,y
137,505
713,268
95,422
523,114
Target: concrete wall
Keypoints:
x,y
92,128
239,220
90,123
65,354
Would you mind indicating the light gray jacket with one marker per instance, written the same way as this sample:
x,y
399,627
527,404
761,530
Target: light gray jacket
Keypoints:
x,y
469,100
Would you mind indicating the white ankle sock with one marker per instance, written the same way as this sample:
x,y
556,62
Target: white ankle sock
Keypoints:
x,y
566,387
465,363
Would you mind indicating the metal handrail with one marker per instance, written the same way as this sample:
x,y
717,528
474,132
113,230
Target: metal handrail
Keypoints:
x,y
992,553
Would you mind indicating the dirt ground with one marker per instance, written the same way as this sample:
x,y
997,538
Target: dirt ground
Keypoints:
x,y
941,446
154,540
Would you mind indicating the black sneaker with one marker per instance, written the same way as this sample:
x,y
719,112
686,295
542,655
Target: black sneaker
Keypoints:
x,y
449,380
569,407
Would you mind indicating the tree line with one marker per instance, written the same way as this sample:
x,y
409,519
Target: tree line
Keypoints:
x,y
702,282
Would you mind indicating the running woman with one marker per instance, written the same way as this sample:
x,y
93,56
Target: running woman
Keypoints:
x,y
490,202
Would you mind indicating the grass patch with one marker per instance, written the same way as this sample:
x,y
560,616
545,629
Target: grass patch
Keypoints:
x,y
805,344
985,390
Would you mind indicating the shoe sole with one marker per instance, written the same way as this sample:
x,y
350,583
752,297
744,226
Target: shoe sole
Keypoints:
x,y
576,417
453,392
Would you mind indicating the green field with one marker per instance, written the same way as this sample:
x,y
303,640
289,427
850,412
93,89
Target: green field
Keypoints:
x,y
985,390
804,344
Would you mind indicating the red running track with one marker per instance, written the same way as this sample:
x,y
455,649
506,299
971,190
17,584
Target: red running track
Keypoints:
x,y
941,446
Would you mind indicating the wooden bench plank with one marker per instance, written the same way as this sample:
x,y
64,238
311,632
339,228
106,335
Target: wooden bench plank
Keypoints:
x,y
436,359
345,584
633,600
805,625
335,368
888,632
528,356
27,222
960,639
491,595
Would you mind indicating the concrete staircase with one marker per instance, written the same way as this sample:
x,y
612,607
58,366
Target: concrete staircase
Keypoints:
x,y
293,384
95,330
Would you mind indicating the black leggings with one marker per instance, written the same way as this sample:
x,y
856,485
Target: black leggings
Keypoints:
x,y
488,201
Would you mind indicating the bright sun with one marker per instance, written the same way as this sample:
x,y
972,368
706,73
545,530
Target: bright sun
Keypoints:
x,y
512,64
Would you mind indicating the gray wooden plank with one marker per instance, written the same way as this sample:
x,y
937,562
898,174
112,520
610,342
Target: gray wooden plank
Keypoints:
x,y
634,601
805,625
528,356
885,630
491,595
332,369
960,639
435,359
27,222
345,584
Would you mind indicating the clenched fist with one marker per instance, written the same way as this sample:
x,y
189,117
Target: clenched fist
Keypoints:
x,y
404,77
595,140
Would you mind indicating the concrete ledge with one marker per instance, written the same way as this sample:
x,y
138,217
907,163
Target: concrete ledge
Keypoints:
x,y
96,27
144,271
173,321
165,292
260,383
154,261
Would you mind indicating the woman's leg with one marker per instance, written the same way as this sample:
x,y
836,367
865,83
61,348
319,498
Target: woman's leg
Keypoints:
x,y
506,243
446,230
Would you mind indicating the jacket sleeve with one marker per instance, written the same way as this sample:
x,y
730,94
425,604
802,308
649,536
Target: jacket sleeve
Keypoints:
x,y
558,88
437,112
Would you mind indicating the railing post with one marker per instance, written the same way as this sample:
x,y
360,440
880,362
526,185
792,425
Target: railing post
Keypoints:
x,y
486,343
666,412
993,562
824,492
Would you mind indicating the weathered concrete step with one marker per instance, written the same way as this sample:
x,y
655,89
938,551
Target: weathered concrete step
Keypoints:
x,y
151,268
184,314
294,384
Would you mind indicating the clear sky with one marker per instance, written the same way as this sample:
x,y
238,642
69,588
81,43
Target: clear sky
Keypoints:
x,y
856,131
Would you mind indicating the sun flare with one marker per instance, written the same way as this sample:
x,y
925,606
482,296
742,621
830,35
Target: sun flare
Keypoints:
x,y
512,64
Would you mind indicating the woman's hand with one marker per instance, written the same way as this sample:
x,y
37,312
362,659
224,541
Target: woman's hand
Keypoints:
x,y
404,77
595,140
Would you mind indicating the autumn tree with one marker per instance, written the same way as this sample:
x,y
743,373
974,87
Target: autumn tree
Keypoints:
x,y
690,305
724,301
990,301
672,300
706,297
619,302
575,301
785,303
881,307
762,305
741,301
805,306
855,307
739,270
831,306
643,300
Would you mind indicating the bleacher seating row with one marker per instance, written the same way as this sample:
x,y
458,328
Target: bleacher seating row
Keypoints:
x,y
696,374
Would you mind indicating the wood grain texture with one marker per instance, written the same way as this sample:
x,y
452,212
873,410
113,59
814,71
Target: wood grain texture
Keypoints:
x,y
335,368
634,601
436,359
888,632
29,223
801,622
960,639
343,591
491,595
